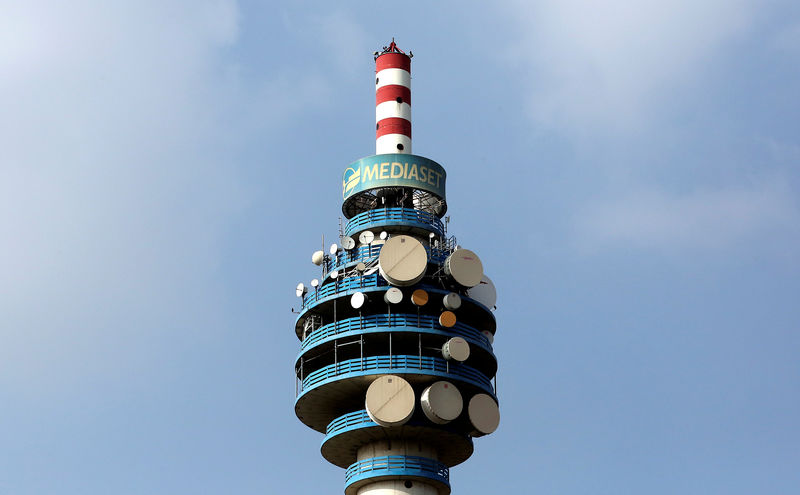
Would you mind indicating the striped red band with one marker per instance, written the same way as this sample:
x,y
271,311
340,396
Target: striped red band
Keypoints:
x,y
393,61
393,125
392,93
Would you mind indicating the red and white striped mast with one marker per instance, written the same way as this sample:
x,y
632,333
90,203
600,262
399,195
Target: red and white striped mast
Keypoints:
x,y
392,100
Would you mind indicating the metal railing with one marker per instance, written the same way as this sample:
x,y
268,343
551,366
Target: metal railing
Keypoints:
x,y
369,254
391,322
395,216
342,423
344,285
397,465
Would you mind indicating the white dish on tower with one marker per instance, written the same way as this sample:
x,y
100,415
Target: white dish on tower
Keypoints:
x,y
360,267
456,349
465,267
483,414
393,296
366,237
390,401
318,257
334,249
485,292
300,290
403,261
348,242
451,301
314,283
441,402
384,235
357,300
334,274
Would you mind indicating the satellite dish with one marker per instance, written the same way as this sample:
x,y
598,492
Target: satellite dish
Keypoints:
x,y
393,296
357,300
348,243
431,235
360,267
315,283
390,401
485,292
489,336
456,349
441,402
452,301
366,237
465,267
419,298
301,290
483,414
318,257
334,274
384,235
403,261
447,319
334,249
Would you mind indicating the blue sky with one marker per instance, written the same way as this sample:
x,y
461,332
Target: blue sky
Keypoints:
x,y
628,173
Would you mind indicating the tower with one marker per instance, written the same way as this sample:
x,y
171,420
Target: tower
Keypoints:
x,y
396,362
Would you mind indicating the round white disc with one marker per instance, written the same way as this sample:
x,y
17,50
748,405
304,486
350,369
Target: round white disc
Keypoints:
x,y
485,292
334,248
393,296
360,267
318,257
483,414
348,242
314,283
452,301
366,237
456,349
403,260
335,274
442,402
300,289
465,267
357,300
390,400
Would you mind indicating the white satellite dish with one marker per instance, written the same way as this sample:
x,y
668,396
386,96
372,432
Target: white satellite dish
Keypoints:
x,y
390,401
393,296
357,300
348,243
315,283
360,267
441,402
456,349
403,260
301,290
334,274
489,336
334,249
384,235
318,257
465,267
366,237
483,414
485,292
451,301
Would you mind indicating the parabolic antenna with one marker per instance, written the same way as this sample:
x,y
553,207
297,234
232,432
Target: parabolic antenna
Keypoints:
x,y
465,267
419,298
447,319
300,290
441,402
334,249
384,235
390,401
403,261
357,300
456,349
485,292
318,257
334,274
489,336
393,296
360,267
451,301
483,414
314,283
366,237
348,242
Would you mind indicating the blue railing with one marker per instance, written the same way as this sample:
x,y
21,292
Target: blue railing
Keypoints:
x,y
425,365
394,216
415,322
344,285
397,465
342,423
367,254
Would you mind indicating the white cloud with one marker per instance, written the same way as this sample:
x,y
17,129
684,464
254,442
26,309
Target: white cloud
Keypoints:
x,y
607,65
648,218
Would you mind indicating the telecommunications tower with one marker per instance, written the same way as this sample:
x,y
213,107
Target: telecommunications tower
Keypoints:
x,y
396,363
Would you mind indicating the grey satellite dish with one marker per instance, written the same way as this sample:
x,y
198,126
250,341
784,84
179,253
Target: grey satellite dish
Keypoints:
x,y
441,402
334,249
465,267
360,267
366,237
318,257
485,292
334,274
483,414
357,300
393,296
403,261
315,283
489,336
451,301
384,235
456,349
348,243
390,401
300,290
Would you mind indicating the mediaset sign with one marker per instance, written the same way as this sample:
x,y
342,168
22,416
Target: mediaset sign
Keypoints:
x,y
393,170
